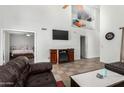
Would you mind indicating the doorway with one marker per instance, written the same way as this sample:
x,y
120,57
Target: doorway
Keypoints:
x,y
19,43
82,47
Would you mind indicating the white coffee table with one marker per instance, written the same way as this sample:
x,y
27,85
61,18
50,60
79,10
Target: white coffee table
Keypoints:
x,y
89,79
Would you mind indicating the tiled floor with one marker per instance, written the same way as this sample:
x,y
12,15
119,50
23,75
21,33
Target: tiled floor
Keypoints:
x,y
63,71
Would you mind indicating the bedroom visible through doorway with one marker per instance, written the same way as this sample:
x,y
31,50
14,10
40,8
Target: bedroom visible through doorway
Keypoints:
x,y
18,43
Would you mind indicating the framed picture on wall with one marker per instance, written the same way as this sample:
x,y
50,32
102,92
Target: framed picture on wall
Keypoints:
x,y
83,16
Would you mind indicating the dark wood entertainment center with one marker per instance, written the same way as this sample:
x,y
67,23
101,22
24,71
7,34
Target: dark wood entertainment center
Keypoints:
x,y
61,55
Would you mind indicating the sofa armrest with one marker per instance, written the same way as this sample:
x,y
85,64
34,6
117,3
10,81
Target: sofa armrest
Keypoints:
x,y
40,67
116,67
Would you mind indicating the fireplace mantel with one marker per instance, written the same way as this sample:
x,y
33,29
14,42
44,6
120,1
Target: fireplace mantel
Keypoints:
x,y
61,55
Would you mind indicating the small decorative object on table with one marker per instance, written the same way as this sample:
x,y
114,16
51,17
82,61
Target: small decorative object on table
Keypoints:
x,y
102,74
99,76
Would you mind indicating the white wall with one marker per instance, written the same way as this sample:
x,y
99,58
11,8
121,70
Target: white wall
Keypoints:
x,y
33,18
21,41
1,55
6,47
111,19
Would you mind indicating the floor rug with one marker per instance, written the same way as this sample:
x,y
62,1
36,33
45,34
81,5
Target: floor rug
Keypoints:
x,y
60,84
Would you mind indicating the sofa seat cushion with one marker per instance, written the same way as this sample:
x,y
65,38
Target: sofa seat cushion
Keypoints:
x,y
23,77
41,80
116,67
6,78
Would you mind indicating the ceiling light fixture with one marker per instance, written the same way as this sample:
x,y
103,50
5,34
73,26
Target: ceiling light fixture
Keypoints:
x,y
28,35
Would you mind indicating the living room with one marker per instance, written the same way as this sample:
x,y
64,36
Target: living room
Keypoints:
x,y
43,20
36,18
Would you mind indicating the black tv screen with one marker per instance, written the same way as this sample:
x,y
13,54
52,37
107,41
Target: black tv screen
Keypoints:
x,y
60,35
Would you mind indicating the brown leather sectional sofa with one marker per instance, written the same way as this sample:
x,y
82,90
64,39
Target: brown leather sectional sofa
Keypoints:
x,y
116,67
19,73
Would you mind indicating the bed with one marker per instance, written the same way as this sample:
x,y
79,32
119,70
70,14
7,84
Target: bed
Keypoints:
x,y
28,53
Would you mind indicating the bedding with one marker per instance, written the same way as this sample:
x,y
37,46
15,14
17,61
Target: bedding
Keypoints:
x,y
16,52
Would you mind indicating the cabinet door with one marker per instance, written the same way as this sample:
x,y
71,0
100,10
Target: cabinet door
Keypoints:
x,y
53,56
71,55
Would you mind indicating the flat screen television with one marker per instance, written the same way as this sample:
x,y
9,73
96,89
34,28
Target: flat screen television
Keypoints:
x,y
60,34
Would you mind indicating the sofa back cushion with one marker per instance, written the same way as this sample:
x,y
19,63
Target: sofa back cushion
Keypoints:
x,y
40,67
17,66
13,69
16,69
21,62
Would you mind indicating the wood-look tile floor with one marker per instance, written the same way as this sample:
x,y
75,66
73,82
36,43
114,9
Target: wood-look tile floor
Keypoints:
x,y
65,70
